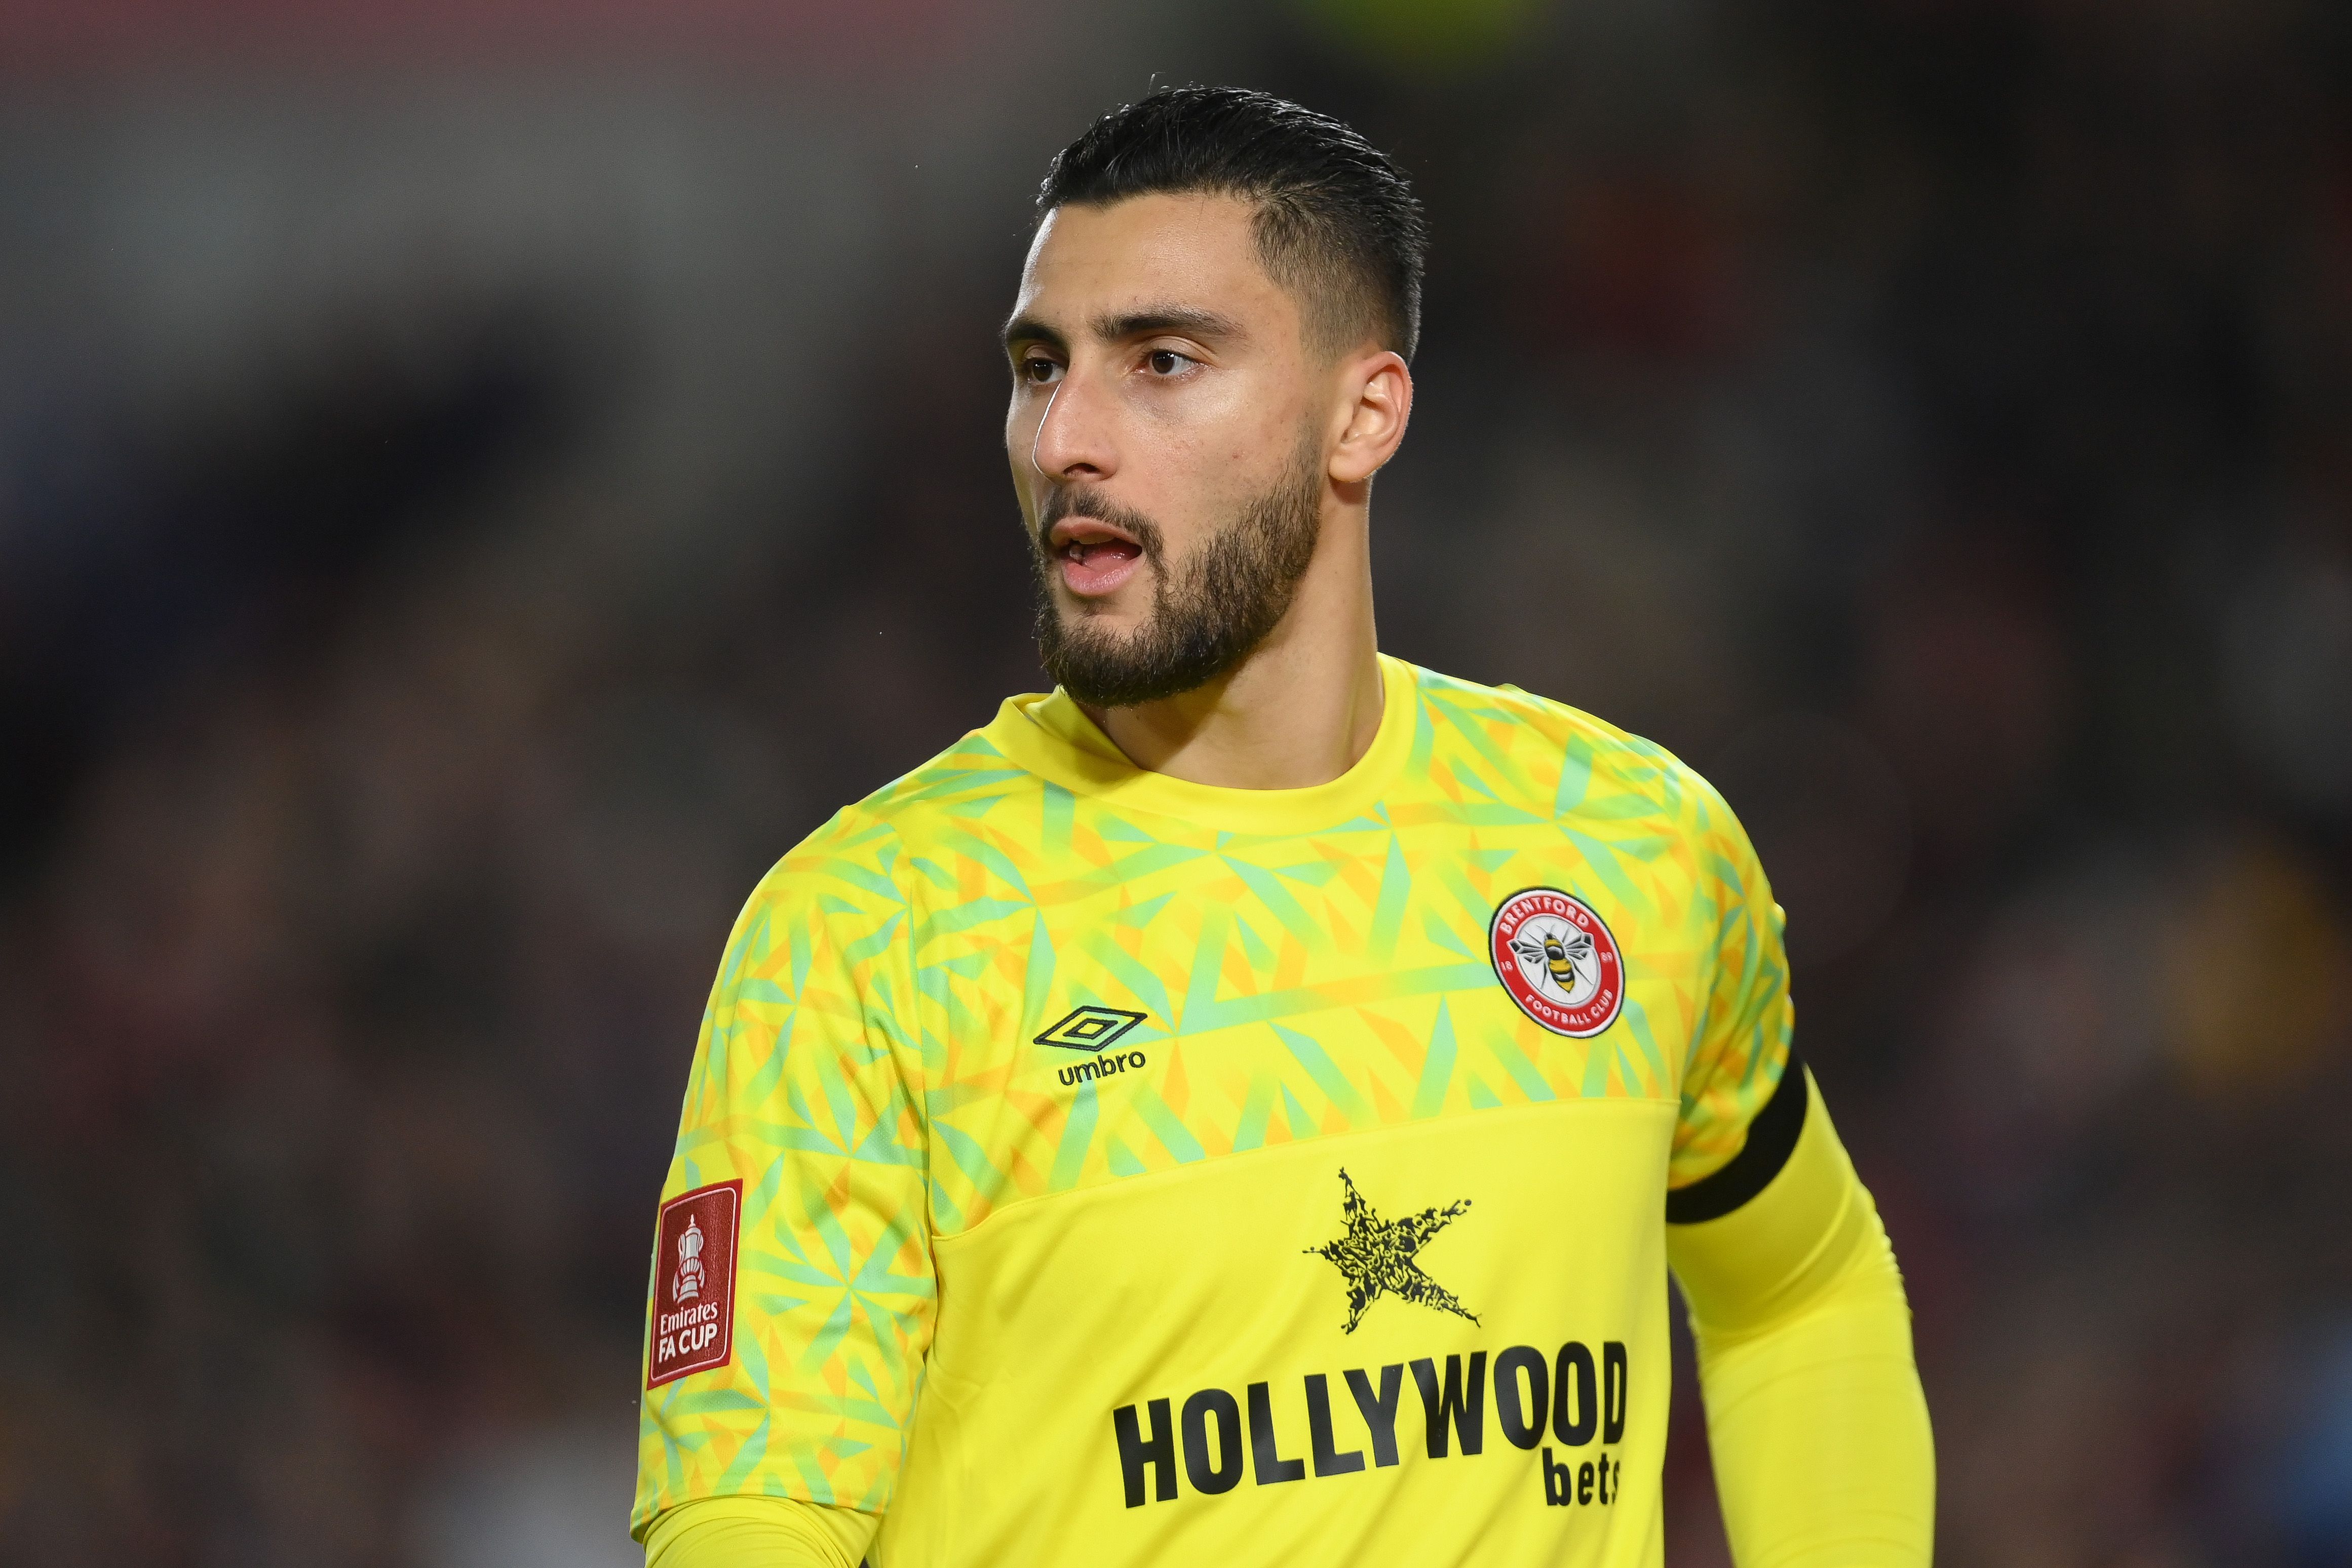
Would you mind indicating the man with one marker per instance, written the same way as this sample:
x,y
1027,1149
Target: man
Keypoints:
x,y
1242,1107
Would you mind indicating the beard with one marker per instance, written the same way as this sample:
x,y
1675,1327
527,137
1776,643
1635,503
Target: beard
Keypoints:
x,y
1207,615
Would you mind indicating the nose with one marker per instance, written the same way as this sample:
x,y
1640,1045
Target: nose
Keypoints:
x,y
1073,437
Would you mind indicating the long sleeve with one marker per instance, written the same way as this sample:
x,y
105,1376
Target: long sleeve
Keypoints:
x,y
1814,1413
1823,1457
757,1532
792,1293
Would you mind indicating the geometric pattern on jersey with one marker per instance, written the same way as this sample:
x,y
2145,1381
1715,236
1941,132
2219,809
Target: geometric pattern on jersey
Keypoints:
x,y
1311,965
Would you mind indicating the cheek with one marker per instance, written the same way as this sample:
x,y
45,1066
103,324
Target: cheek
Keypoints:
x,y
1186,484
1254,448
1215,462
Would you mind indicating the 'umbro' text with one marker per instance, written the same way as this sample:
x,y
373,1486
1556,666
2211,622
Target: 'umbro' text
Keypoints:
x,y
1101,1067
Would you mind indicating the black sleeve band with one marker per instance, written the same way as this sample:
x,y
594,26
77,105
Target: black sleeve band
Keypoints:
x,y
1771,1137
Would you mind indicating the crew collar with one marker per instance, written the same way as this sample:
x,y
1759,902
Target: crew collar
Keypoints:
x,y
1051,736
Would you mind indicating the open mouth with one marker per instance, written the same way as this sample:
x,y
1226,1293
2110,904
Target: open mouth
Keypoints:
x,y
1095,556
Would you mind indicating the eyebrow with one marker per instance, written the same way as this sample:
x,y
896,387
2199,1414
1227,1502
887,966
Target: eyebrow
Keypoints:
x,y
1191,322
1155,318
1029,330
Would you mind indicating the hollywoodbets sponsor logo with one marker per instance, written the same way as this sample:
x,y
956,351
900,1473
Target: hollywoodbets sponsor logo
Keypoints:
x,y
1376,1256
1570,1398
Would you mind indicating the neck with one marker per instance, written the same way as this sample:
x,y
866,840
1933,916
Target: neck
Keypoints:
x,y
1300,710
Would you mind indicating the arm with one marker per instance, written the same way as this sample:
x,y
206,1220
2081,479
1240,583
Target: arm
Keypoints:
x,y
757,1532
1822,1457
1814,1413
778,1444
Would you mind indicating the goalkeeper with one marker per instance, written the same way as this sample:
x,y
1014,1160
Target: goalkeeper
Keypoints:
x,y
1243,1107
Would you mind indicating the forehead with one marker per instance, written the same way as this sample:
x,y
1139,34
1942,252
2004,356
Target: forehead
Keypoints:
x,y
1196,251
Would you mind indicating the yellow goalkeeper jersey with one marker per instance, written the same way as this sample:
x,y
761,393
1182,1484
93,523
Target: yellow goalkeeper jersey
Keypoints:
x,y
1083,1166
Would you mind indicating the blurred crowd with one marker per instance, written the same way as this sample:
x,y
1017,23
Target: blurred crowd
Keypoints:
x,y
458,527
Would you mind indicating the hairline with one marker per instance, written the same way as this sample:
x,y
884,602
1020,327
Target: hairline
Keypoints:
x,y
1332,329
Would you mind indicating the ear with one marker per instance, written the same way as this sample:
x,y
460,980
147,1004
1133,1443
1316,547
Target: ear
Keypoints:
x,y
1375,399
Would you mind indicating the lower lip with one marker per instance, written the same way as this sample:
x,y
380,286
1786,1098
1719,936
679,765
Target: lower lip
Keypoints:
x,y
1101,573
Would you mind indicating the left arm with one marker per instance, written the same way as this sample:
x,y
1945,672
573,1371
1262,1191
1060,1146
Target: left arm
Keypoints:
x,y
1814,1413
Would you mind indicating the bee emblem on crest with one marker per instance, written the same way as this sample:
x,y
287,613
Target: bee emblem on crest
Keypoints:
x,y
1561,953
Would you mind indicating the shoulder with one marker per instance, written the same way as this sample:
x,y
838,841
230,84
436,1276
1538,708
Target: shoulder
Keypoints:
x,y
860,856
1599,772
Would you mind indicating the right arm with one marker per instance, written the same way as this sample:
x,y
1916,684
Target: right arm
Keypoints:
x,y
803,1089
757,1532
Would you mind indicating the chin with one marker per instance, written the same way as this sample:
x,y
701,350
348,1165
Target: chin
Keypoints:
x,y
1110,613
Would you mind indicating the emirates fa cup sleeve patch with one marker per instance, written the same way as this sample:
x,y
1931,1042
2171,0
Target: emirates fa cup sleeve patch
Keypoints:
x,y
1557,959
693,1326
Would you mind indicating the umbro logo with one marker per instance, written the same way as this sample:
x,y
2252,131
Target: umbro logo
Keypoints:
x,y
1091,1028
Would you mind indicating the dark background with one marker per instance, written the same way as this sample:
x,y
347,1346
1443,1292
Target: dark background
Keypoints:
x,y
478,482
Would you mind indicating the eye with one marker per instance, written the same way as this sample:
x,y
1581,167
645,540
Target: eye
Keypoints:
x,y
1038,370
1167,361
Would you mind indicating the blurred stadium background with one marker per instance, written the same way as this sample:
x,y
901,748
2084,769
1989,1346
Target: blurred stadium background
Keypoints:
x,y
478,481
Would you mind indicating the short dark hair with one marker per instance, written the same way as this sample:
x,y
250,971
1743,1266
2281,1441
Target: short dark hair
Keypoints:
x,y
1337,223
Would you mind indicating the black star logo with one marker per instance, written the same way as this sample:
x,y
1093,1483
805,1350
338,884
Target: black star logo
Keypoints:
x,y
1376,1256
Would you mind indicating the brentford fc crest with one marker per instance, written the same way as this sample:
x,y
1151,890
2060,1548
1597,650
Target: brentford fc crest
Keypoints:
x,y
1556,957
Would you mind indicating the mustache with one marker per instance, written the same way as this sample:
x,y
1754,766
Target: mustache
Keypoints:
x,y
1078,501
